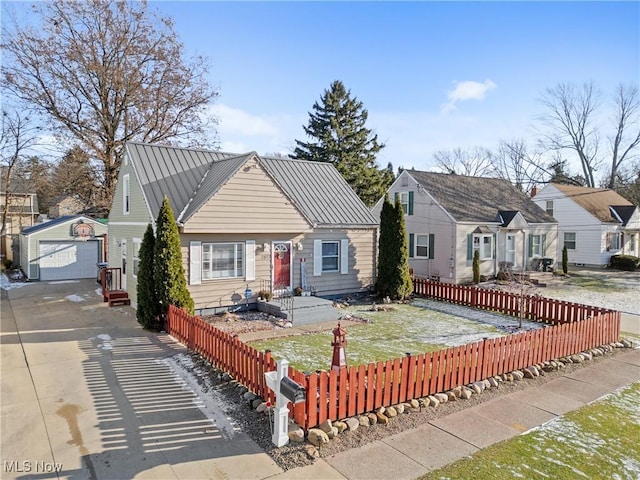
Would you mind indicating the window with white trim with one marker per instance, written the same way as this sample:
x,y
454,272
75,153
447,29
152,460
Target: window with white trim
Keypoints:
x,y
404,200
330,256
615,240
536,246
570,240
136,255
422,246
484,244
222,260
126,194
549,207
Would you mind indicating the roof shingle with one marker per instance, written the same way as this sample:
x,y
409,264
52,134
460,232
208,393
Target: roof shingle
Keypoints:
x,y
479,199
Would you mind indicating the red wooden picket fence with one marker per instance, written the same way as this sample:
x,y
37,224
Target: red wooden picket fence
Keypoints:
x,y
358,389
535,307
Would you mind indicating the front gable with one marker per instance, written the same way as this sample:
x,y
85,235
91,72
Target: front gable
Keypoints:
x,y
634,221
248,202
513,220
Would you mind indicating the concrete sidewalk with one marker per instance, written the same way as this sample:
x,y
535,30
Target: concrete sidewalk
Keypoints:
x,y
85,394
415,452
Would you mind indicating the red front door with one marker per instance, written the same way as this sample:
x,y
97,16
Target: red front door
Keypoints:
x,y
281,266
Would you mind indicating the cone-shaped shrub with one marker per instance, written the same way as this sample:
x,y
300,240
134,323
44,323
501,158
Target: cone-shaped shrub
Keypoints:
x,y
393,279
169,274
148,309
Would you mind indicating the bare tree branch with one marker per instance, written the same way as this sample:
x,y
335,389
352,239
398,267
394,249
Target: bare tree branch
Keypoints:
x,y
570,119
18,134
627,133
474,162
107,73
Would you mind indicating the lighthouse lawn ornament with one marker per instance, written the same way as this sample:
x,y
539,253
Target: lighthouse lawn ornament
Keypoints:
x,y
339,343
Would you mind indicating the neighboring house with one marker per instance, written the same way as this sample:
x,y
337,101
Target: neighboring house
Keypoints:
x,y
594,223
245,221
64,205
449,217
21,204
65,248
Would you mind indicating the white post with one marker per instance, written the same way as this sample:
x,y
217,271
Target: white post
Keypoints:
x,y
281,412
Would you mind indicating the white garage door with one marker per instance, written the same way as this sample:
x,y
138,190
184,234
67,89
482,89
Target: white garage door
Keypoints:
x,y
68,260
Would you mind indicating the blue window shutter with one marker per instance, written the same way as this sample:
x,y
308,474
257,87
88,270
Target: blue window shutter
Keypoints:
x,y
431,245
411,245
543,240
396,197
410,203
470,246
530,247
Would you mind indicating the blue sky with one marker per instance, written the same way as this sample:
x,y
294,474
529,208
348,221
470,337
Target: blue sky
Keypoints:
x,y
433,75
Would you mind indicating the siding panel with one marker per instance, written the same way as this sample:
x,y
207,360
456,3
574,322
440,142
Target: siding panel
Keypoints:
x,y
249,202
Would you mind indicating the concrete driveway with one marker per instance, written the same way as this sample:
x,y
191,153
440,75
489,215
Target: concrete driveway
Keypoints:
x,y
84,394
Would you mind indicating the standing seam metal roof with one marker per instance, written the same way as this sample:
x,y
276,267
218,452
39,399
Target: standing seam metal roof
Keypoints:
x,y
190,177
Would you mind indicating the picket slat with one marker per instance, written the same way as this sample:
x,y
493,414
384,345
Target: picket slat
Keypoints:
x,y
355,390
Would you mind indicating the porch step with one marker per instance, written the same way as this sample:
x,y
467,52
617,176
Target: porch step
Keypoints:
x,y
306,310
117,297
311,315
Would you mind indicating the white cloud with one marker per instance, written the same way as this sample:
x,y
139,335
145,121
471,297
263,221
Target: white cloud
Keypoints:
x,y
467,90
234,121
244,131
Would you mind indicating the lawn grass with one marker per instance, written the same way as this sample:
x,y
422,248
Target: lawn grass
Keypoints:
x,y
388,335
593,282
598,441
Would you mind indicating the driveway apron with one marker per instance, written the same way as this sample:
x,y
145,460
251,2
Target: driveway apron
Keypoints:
x,y
86,394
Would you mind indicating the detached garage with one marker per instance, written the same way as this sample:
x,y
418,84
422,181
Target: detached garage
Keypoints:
x,y
66,248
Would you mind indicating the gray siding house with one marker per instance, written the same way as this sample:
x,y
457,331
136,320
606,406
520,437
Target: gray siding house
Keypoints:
x,y
245,222
66,248
449,217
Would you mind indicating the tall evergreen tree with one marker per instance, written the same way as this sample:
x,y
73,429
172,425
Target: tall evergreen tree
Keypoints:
x,y
403,286
339,136
169,274
386,245
148,310
394,279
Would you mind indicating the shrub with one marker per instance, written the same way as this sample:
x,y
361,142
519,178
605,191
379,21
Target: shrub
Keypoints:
x,y
502,276
624,262
148,309
7,263
565,260
476,267
265,294
169,274
393,279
